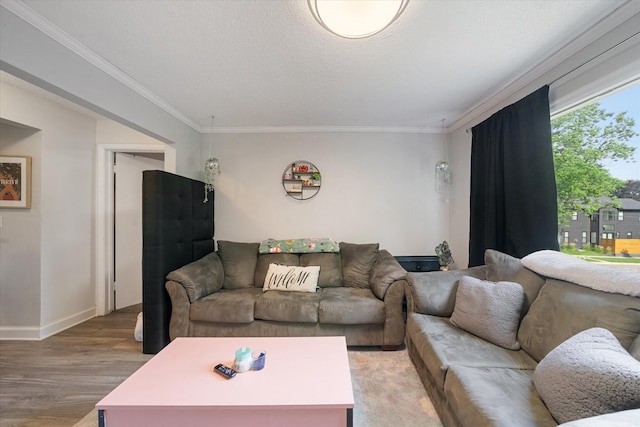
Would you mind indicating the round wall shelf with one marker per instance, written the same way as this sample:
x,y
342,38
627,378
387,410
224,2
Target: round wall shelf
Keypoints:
x,y
301,180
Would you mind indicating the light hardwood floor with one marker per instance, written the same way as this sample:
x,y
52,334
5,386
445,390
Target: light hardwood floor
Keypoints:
x,y
55,382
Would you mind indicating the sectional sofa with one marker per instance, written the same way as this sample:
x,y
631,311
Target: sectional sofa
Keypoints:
x,y
540,341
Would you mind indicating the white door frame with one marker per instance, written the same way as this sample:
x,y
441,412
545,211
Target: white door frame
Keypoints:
x,y
104,213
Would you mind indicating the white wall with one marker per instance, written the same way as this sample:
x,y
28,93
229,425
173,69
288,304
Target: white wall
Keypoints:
x,y
63,199
47,253
20,240
375,188
459,147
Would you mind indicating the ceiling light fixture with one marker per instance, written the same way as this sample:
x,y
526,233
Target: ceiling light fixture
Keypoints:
x,y
356,19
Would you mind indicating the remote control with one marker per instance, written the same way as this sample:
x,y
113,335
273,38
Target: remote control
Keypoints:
x,y
225,371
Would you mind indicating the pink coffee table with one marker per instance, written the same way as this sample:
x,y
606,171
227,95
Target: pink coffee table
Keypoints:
x,y
305,382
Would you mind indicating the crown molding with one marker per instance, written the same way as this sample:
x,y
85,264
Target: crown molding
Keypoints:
x,y
549,69
321,129
33,18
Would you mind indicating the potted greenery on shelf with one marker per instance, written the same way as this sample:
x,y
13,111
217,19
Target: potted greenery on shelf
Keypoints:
x,y
444,255
315,177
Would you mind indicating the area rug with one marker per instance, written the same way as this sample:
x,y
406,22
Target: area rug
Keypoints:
x,y
386,388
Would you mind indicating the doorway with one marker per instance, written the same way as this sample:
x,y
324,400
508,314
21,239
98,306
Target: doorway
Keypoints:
x,y
127,224
105,213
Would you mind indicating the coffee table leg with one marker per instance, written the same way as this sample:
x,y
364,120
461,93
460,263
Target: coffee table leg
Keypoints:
x,y
101,418
349,417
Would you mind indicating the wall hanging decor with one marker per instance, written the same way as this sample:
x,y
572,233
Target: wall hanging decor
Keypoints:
x,y
443,173
211,169
301,180
15,182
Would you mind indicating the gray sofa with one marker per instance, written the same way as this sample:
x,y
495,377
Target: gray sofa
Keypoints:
x,y
474,382
360,295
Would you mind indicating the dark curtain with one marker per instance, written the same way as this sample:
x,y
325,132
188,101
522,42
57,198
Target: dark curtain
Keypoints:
x,y
513,187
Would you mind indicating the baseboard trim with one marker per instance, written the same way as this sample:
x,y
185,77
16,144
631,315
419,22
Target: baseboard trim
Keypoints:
x,y
32,333
19,333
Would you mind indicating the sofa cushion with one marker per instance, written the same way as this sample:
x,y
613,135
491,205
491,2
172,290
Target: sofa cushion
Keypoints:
x,y
350,306
495,397
199,278
291,278
239,261
330,268
434,292
441,345
384,272
503,267
357,260
489,310
563,309
589,374
288,306
226,306
263,265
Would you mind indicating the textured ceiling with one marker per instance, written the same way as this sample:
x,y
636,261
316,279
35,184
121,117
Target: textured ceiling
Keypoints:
x,y
268,63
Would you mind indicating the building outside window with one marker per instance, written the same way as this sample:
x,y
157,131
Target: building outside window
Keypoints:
x,y
620,215
584,237
565,237
608,216
629,235
574,216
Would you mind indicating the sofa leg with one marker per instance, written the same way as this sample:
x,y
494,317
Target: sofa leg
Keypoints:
x,y
390,347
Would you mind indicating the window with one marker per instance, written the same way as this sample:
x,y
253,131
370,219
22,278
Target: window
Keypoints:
x,y
617,235
607,236
584,237
620,216
608,227
565,236
594,237
629,235
574,216
608,216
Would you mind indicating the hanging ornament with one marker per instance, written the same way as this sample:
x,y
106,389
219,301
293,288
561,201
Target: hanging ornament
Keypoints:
x,y
211,169
443,177
443,174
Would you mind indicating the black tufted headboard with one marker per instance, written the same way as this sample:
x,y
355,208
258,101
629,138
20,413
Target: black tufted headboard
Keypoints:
x,y
177,228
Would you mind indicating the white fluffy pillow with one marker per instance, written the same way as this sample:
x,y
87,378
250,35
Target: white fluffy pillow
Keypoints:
x,y
489,310
291,278
589,374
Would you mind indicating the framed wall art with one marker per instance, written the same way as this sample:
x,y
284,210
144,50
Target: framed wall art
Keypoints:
x,y
15,182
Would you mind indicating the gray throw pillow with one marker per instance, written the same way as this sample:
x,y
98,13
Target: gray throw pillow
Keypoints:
x,y
587,375
489,310
505,268
330,268
239,262
357,260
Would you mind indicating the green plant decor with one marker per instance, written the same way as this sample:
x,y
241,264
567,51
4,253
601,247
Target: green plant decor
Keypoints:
x,y
444,255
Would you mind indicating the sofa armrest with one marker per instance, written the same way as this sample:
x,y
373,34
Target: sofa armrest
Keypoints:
x,y
200,278
179,323
435,292
394,320
384,272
